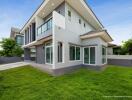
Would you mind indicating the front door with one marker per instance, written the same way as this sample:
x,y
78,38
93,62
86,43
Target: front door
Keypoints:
x,y
90,55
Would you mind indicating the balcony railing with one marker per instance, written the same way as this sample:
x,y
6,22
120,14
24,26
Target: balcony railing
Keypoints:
x,y
44,28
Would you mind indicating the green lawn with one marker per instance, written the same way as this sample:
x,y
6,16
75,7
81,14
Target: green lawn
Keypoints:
x,y
27,83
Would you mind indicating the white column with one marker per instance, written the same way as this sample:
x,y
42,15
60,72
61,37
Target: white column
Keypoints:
x,y
53,37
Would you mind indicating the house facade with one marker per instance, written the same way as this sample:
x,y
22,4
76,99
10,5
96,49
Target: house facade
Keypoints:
x,y
65,33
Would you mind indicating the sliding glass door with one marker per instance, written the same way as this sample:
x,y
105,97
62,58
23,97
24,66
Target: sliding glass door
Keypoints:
x,y
90,55
48,54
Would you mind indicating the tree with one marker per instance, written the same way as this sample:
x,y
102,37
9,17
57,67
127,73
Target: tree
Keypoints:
x,y
10,48
127,46
17,51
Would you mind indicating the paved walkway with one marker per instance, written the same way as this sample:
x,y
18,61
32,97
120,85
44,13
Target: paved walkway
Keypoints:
x,y
44,67
12,65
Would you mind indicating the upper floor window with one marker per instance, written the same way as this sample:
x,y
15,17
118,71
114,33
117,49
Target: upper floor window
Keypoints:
x,y
69,15
80,21
84,25
59,12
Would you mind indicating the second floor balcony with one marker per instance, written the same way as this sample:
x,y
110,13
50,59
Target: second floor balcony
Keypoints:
x,y
45,29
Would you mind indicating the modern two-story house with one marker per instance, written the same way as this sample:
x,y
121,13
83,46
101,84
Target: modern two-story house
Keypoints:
x,y
66,33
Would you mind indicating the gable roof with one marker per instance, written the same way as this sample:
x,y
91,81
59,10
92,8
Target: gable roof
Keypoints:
x,y
102,34
94,14
79,5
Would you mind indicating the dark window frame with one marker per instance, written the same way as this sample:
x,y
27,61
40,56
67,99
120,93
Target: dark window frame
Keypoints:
x,y
80,21
60,52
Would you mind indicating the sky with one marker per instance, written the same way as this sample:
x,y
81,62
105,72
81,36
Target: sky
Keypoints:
x,y
115,15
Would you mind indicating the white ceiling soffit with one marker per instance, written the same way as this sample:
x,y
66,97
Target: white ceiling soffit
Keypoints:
x,y
49,7
38,42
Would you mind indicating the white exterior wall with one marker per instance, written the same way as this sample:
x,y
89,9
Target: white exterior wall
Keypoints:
x,y
70,34
64,36
74,25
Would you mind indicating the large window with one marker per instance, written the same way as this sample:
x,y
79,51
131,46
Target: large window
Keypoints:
x,y
74,53
104,55
60,52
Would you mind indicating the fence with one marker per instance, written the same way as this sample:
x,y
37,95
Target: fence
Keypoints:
x,y
6,60
122,60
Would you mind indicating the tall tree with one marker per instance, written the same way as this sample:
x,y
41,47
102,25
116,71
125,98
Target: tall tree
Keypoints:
x,y
127,45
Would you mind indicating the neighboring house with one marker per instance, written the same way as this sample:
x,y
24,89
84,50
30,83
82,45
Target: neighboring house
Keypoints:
x,y
15,35
66,33
19,38
113,49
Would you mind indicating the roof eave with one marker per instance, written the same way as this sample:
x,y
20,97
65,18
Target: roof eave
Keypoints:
x,y
104,35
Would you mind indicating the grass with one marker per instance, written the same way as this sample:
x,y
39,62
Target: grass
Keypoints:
x,y
27,83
